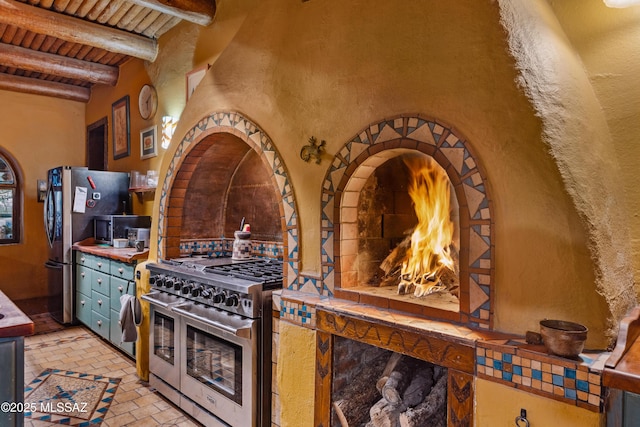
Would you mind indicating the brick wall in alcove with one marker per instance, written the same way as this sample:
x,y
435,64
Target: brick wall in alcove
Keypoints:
x,y
220,180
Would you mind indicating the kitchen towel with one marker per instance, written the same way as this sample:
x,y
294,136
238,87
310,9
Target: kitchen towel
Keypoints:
x,y
130,317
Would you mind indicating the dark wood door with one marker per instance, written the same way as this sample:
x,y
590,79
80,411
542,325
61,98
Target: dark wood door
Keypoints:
x,y
97,145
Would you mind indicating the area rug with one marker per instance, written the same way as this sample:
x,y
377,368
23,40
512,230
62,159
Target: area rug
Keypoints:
x,y
69,398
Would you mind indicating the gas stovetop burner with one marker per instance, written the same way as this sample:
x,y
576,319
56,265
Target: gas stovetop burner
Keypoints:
x,y
260,270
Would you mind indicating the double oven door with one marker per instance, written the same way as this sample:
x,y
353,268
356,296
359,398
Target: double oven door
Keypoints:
x,y
210,358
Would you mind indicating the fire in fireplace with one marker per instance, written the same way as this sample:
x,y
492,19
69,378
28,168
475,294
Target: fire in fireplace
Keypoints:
x,y
426,261
408,233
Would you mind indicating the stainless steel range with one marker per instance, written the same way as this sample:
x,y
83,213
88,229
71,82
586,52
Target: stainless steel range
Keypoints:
x,y
210,343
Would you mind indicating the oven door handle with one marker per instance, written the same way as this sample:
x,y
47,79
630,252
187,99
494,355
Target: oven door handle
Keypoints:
x,y
150,298
242,332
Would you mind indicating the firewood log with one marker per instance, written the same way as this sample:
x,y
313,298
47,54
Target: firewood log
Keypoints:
x,y
391,279
384,414
419,387
397,382
357,397
396,257
432,411
391,363
439,372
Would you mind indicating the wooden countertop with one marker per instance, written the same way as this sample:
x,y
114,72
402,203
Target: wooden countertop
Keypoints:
x,y
128,255
14,323
622,369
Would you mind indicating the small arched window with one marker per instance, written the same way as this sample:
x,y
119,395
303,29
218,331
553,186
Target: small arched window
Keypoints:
x,y
10,201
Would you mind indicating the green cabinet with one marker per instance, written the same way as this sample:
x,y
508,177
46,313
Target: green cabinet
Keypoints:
x,y
100,282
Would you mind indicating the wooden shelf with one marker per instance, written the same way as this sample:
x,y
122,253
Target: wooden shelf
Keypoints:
x,y
141,189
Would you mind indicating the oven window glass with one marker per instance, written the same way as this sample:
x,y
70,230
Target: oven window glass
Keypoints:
x,y
163,336
215,362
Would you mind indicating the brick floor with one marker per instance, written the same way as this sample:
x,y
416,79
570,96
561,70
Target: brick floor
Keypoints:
x,y
79,350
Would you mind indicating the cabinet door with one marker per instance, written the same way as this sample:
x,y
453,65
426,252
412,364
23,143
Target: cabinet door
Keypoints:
x,y
116,334
83,308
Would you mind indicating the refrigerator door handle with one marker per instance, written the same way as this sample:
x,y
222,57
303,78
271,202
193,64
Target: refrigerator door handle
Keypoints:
x,y
55,265
50,214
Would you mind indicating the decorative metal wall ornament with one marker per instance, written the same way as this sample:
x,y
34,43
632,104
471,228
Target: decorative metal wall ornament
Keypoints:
x,y
312,150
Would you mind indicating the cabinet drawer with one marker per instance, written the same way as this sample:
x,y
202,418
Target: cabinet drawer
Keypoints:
x,y
100,303
120,287
102,264
83,279
100,324
122,270
83,308
85,259
100,282
116,334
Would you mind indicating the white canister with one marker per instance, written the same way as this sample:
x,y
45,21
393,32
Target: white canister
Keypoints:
x,y
242,246
120,243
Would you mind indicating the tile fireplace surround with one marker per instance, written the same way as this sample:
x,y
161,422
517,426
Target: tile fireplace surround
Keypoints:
x,y
467,353
323,302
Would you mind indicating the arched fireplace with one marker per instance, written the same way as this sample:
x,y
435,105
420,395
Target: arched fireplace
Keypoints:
x,y
367,212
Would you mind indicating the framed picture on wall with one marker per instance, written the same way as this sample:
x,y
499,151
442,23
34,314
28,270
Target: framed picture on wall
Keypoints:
x,y
194,77
120,128
149,142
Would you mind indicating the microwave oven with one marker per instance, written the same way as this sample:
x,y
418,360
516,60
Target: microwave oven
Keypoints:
x,y
109,227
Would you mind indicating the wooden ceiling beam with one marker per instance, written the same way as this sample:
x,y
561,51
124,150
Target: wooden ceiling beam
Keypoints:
x,y
199,12
47,63
76,30
44,87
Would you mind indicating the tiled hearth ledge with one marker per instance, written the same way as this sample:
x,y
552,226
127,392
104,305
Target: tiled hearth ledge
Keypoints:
x,y
503,358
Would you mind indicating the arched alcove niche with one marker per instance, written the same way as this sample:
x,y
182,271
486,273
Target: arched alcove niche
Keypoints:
x,y
245,141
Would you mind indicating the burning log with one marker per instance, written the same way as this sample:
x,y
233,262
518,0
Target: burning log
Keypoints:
x,y
432,411
393,262
447,280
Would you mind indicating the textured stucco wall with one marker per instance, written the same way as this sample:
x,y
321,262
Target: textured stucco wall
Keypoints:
x,y
578,137
607,41
330,69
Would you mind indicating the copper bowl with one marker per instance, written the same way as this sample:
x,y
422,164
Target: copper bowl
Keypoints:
x,y
563,338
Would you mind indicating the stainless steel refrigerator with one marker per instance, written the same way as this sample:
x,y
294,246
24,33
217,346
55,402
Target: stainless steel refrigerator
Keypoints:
x,y
74,196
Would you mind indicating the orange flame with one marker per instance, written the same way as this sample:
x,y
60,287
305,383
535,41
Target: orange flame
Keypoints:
x,y
431,239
